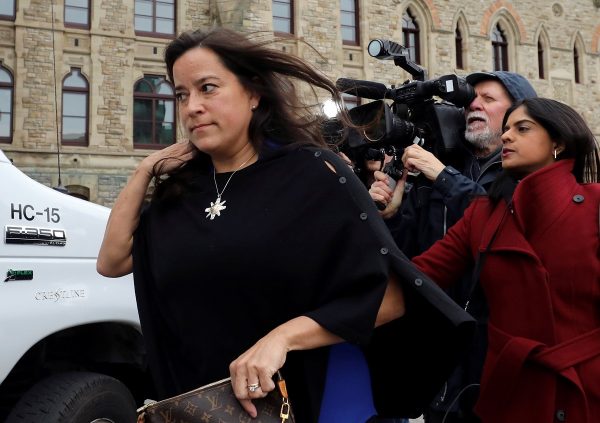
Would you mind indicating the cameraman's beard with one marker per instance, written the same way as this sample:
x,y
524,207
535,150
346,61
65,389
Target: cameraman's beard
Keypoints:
x,y
484,139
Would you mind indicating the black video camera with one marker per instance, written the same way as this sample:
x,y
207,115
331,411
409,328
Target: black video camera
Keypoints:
x,y
414,115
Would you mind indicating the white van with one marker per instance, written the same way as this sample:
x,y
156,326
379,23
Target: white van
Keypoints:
x,y
71,349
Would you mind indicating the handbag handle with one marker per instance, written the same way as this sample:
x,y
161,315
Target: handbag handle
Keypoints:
x,y
284,413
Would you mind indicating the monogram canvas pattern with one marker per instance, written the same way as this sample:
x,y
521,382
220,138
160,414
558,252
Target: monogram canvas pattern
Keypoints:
x,y
214,404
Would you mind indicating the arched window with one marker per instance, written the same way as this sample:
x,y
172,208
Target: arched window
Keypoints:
x,y
283,16
499,49
6,104
77,13
153,112
349,22
577,68
458,47
540,57
155,18
410,35
75,109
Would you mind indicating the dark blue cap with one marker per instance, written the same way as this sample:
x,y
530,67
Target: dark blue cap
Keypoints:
x,y
517,86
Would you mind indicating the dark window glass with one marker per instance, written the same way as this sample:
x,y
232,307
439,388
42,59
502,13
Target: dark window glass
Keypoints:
x,y
283,16
153,112
349,21
540,56
458,47
499,49
6,105
8,9
155,17
576,63
77,13
75,109
410,34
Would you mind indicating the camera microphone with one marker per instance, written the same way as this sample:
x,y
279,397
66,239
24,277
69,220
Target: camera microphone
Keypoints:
x,y
364,89
386,49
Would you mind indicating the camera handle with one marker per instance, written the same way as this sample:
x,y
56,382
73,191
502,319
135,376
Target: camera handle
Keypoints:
x,y
393,169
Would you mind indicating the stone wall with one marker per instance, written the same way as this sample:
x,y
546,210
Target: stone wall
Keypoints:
x,y
113,58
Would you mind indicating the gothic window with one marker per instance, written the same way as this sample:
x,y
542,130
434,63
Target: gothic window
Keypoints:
x,y
155,18
576,69
410,35
499,49
153,112
540,57
77,13
75,109
6,104
349,22
8,9
458,47
283,16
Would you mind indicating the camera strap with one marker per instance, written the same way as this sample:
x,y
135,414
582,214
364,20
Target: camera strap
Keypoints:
x,y
481,258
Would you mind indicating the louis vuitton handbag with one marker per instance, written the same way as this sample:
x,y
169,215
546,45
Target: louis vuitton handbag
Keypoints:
x,y
216,402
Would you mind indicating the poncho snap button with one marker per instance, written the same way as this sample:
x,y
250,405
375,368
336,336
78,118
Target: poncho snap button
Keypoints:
x,y
578,198
317,153
342,179
384,251
561,416
418,282
363,216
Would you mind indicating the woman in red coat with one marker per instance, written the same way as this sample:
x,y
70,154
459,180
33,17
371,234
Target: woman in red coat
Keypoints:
x,y
536,239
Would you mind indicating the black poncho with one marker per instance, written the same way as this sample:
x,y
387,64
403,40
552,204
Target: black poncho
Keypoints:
x,y
295,239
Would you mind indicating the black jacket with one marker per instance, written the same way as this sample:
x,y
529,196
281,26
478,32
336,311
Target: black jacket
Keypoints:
x,y
427,212
430,209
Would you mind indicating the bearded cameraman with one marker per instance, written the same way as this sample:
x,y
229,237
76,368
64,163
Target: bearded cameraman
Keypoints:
x,y
422,215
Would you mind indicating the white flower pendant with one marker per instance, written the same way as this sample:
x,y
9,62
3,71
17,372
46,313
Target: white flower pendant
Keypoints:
x,y
215,208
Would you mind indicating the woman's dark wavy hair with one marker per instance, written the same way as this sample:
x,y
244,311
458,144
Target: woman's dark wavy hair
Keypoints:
x,y
566,127
271,74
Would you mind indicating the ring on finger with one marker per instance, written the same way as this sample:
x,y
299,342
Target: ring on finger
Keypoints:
x,y
253,387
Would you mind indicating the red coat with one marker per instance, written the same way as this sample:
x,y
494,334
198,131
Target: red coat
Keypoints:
x,y
541,280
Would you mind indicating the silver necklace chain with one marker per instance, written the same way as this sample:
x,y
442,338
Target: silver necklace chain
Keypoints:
x,y
218,206
230,176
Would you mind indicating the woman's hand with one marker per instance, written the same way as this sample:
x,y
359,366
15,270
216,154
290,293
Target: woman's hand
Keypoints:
x,y
252,372
168,159
114,257
259,363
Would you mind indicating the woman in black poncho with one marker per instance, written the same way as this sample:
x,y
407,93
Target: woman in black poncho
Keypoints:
x,y
259,242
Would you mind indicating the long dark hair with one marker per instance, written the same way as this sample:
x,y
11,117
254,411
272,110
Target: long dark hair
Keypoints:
x,y
566,127
268,72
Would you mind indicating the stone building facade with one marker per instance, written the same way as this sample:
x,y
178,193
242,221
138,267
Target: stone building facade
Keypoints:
x,y
38,51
